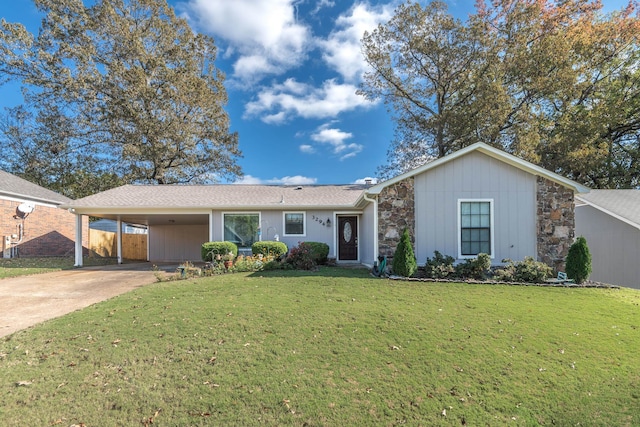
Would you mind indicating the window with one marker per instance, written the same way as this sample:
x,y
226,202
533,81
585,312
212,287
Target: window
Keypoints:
x,y
241,228
476,227
294,224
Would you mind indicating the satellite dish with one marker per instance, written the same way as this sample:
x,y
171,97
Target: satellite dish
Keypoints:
x,y
25,208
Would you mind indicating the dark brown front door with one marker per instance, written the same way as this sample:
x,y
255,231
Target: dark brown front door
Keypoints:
x,y
348,238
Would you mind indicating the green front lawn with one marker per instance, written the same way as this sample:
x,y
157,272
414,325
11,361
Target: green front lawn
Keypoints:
x,y
335,347
13,267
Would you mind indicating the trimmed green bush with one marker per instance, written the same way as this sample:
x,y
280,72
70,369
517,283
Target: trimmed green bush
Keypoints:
x,y
578,262
319,251
404,260
218,248
269,247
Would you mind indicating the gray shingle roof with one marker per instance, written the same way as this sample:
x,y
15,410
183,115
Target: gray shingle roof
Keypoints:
x,y
623,203
222,196
13,186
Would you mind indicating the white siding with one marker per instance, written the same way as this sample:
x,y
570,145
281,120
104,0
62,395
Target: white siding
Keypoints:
x,y
614,246
366,237
177,242
476,176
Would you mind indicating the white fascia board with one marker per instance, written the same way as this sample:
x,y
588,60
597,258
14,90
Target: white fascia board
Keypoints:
x,y
23,198
491,152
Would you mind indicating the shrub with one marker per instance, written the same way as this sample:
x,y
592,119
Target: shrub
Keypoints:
x,y
528,271
301,257
319,251
269,248
440,266
404,260
209,249
578,262
476,268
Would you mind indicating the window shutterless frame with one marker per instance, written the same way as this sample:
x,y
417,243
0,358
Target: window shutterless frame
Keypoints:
x,y
294,223
475,228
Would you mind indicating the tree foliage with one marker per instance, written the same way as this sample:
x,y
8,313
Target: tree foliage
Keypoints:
x,y
556,83
129,86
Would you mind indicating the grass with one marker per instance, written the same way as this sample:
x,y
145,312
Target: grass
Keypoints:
x,y
13,267
334,347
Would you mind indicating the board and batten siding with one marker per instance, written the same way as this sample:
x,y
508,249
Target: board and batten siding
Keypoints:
x,y
614,258
476,176
170,243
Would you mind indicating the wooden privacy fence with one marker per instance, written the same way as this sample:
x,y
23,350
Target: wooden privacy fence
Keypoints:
x,y
104,244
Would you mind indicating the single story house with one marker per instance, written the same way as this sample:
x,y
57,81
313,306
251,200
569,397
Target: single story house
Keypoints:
x,y
478,199
610,221
32,225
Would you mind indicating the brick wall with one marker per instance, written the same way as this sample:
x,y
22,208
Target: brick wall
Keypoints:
x,y
48,231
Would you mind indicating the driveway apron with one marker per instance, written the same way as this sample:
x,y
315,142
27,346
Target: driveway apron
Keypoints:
x,y
28,300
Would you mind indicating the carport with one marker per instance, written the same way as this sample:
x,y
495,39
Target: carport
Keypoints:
x,y
172,236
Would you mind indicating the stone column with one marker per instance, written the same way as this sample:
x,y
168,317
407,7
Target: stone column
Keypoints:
x,y
396,211
556,222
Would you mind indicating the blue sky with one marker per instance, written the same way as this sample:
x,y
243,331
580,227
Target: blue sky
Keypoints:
x,y
292,68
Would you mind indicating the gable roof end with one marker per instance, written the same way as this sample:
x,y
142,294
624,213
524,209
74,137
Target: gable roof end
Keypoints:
x,y
491,152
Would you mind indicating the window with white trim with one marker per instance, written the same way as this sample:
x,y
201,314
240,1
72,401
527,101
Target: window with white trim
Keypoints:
x,y
241,228
294,224
475,219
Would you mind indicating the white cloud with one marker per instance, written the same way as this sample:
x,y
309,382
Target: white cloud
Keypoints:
x,y
336,139
280,102
285,180
306,148
321,4
265,35
342,49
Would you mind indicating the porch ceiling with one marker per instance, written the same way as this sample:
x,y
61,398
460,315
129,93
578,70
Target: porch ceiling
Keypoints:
x,y
160,219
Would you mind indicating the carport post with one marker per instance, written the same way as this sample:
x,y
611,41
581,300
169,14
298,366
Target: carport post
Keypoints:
x,y
119,239
211,226
78,246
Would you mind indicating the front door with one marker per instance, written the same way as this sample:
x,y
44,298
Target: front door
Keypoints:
x,y
348,238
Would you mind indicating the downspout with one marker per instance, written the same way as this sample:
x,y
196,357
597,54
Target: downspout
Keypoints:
x,y
375,225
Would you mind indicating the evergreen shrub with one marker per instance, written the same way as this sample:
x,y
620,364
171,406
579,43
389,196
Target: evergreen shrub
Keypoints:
x,y
210,249
440,266
578,261
269,248
404,260
475,268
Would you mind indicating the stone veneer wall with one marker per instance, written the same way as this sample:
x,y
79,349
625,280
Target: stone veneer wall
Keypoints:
x,y
396,211
556,222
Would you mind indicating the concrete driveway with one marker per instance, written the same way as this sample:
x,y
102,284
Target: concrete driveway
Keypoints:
x,y
28,300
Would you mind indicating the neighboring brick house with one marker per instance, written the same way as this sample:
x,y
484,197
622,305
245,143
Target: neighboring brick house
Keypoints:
x,y
31,224
478,199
